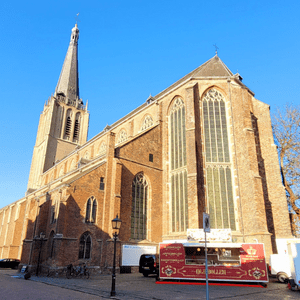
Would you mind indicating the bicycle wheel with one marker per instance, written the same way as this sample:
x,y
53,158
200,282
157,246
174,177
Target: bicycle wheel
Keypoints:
x,y
68,274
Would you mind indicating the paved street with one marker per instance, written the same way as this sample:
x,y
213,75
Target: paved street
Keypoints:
x,y
130,286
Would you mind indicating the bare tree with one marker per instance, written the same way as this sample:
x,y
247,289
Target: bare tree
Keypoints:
x,y
286,127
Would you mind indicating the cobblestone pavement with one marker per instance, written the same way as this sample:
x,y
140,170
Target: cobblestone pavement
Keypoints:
x,y
136,287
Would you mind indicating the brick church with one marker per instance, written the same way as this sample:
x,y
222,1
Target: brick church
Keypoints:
x,y
204,144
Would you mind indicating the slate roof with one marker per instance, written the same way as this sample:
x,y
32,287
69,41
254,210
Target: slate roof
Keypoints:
x,y
213,68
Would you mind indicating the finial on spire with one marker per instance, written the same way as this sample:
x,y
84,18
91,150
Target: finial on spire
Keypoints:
x,y
216,48
77,19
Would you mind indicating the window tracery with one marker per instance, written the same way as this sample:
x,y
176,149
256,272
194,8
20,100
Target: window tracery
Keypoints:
x,y
218,165
139,207
178,167
91,210
85,243
148,122
122,136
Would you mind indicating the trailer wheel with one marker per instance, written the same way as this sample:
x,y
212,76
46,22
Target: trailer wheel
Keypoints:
x,y
282,277
263,284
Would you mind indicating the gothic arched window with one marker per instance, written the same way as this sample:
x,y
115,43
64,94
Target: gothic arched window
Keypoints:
x,y
178,168
85,243
218,165
148,122
91,210
122,136
139,207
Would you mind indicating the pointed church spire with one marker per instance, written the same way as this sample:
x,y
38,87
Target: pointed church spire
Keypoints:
x,y
68,79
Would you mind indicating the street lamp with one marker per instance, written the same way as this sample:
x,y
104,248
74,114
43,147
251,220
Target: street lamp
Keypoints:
x,y
42,236
116,224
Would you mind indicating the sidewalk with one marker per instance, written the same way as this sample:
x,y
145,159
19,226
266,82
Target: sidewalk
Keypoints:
x,y
135,286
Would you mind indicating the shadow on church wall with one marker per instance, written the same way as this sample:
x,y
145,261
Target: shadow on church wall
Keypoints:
x,y
262,174
62,244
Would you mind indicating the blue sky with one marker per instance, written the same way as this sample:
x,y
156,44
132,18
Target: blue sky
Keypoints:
x,y
127,50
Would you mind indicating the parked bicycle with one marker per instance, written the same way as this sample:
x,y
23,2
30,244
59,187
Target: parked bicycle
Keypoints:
x,y
77,271
53,273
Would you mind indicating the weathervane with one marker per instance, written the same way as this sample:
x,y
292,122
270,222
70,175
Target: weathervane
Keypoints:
x,y
216,48
77,18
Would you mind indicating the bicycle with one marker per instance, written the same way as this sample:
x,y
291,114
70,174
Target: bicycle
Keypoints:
x,y
77,271
52,273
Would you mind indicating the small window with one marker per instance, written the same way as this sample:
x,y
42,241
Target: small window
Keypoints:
x,y
102,184
85,246
151,157
91,210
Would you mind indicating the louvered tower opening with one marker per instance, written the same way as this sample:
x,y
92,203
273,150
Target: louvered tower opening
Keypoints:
x,y
76,130
68,127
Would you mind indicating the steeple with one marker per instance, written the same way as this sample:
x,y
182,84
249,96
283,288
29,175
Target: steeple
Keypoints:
x,y
64,121
68,80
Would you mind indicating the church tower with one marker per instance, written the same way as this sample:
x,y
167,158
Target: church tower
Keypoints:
x,y
64,121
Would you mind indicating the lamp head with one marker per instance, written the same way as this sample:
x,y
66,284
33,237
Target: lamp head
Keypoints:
x,y
116,223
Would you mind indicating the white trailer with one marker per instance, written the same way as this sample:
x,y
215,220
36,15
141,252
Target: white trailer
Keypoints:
x,y
279,266
294,255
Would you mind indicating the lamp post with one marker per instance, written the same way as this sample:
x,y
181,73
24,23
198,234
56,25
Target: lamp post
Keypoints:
x,y
116,224
42,236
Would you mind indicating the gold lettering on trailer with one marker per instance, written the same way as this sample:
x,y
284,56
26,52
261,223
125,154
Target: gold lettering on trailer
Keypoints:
x,y
173,247
172,254
211,271
172,260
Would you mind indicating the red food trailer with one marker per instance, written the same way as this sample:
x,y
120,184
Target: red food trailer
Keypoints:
x,y
226,262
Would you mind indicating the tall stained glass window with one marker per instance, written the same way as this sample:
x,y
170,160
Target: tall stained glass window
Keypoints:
x,y
218,165
178,170
139,207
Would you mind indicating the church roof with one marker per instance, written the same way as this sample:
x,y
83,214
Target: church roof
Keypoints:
x,y
68,79
213,68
